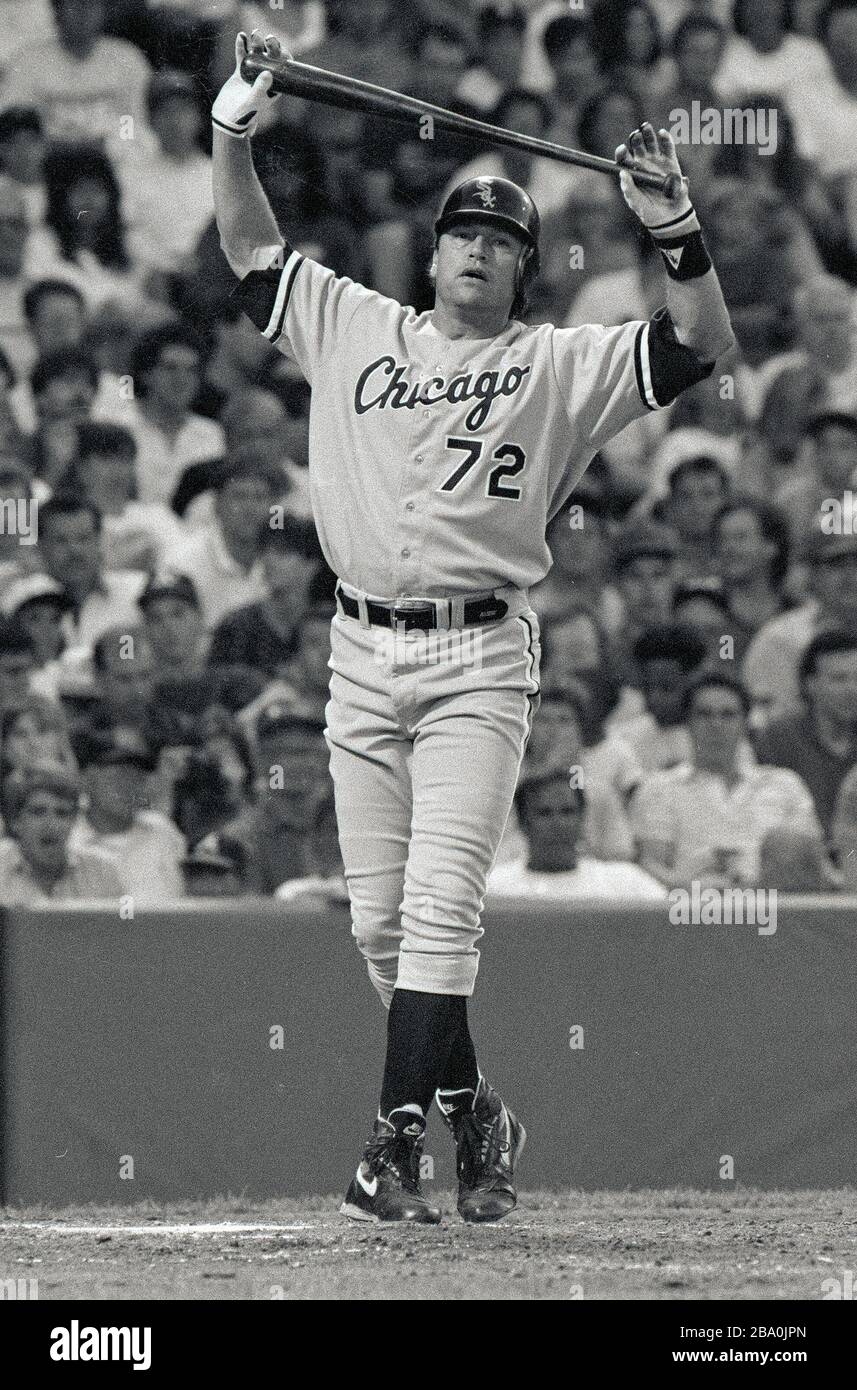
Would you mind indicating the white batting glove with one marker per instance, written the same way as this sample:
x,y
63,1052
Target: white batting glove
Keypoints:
x,y
236,106
662,216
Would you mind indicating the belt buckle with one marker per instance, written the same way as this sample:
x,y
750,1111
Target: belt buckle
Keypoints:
x,y
412,605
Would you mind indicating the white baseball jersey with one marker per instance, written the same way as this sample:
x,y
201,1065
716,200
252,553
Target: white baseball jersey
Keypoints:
x,y
436,463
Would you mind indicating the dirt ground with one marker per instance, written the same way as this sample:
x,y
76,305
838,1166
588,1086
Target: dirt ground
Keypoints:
x,y
650,1245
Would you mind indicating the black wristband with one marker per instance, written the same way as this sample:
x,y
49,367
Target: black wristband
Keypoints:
x,y
685,257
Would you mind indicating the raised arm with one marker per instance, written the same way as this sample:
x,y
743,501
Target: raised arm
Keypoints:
x,y
694,298
249,234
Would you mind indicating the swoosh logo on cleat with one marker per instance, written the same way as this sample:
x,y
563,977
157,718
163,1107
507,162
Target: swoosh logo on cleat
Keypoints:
x,y
506,1158
370,1188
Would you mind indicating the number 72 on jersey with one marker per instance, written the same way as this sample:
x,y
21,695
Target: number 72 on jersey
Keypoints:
x,y
496,486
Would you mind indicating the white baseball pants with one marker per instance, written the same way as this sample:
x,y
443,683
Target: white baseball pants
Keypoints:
x,y
426,734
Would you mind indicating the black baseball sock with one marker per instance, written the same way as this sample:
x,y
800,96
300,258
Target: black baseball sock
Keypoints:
x,y
461,1071
420,1030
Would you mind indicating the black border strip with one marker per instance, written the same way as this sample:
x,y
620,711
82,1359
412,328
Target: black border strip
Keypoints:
x,y
638,365
287,298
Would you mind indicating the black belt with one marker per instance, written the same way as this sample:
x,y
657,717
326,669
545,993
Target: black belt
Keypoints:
x,y
424,615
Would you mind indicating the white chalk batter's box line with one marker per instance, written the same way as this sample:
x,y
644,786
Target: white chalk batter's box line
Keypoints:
x,y
226,1228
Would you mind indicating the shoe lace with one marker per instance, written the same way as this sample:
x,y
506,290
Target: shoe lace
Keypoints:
x,y
398,1156
481,1148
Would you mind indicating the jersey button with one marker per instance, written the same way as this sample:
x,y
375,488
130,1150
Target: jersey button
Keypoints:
x,y
419,458
406,555
409,506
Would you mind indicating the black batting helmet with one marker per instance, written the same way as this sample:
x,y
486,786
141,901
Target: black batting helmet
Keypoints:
x,y
498,200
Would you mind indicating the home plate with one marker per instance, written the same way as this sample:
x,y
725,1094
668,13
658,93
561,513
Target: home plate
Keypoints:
x,y
196,1228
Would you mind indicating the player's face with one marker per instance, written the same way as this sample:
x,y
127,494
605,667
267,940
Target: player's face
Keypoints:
x,y
43,621
695,503
174,629
288,573
699,58
553,824
42,829
647,586
832,690
243,505
302,760
477,264
116,792
70,549
742,549
128,674
21,739
663,686
175,376
716,725
68,397
827,327
834,583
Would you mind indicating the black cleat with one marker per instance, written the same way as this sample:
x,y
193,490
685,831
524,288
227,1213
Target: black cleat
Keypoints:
x,y
489,1141
386,1186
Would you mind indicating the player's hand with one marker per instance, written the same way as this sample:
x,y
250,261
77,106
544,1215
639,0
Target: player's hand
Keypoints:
x,y
236,106
655,152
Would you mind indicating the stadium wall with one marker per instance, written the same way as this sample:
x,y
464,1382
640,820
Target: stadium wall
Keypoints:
x,y
224,1049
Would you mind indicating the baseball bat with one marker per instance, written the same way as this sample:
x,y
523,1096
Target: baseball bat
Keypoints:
x,y
335,89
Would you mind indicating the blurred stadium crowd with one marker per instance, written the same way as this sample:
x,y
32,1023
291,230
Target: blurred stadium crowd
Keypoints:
x,y
164,606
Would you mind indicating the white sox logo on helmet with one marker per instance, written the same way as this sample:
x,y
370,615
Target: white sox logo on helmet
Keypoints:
x,y
483,191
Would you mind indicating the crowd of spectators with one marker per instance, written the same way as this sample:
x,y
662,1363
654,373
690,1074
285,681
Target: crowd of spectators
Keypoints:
x,y
164,604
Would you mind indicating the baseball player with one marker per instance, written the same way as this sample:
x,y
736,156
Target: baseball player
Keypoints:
x,y
440,446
